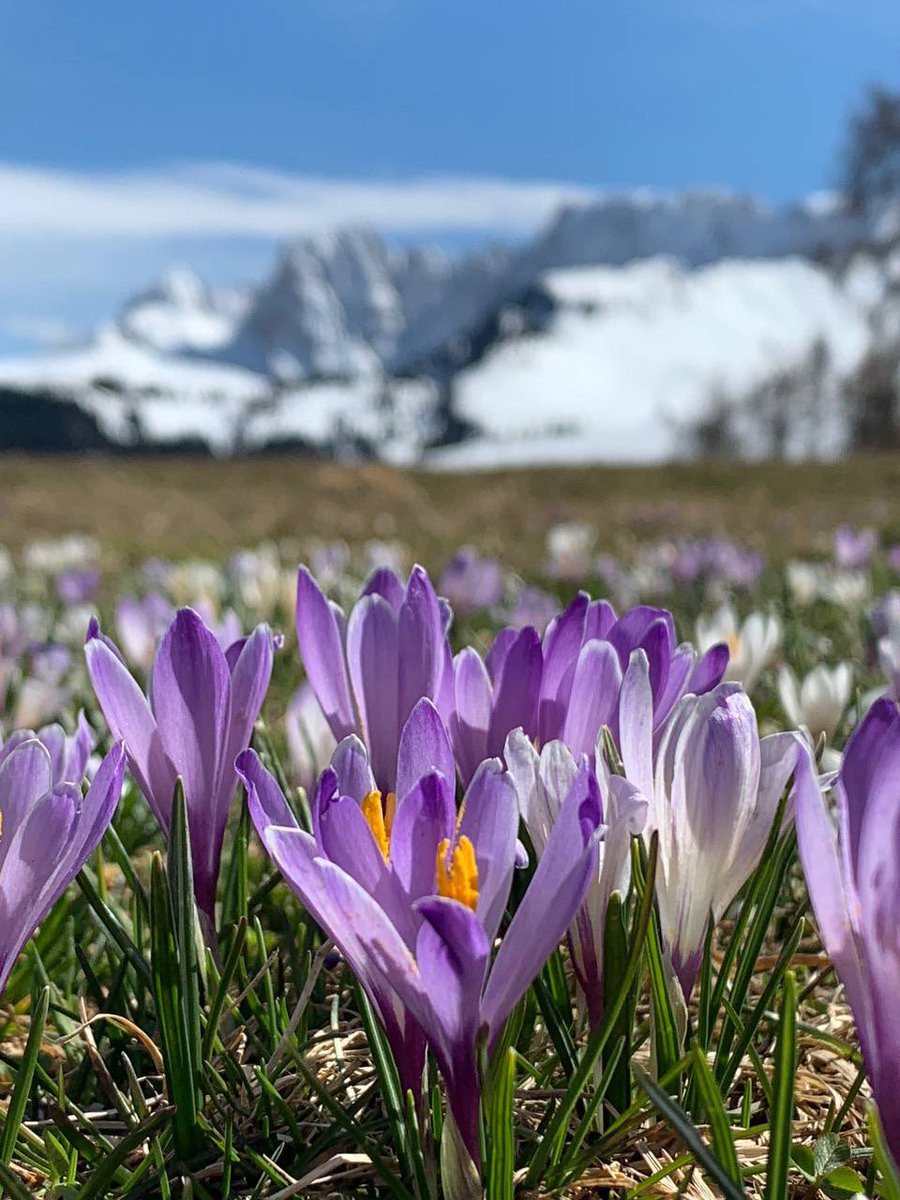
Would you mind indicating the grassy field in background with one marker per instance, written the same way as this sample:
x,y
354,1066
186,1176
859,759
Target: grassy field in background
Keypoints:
x,y
181,507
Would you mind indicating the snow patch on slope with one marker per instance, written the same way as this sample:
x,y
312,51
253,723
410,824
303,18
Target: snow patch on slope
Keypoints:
x,y
633,353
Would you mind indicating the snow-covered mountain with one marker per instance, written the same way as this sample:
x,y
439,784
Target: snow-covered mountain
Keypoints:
x,y
180,314
598,339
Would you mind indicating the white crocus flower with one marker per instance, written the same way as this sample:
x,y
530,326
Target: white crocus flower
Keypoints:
x,y
569,547
713,788
819,701
804,582
543,781
750,645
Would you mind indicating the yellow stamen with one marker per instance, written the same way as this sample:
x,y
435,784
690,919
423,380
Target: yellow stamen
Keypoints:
x,y
457,872
733,642
380,819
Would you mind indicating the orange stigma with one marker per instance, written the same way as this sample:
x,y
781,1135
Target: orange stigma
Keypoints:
x,y
380,819
457,872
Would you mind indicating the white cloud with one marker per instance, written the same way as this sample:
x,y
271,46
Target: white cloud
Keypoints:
x,y
225,200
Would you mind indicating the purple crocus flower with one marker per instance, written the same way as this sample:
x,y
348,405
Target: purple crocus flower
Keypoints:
x,y
49,829
413,894
493,697
69,753
202,706
533,607
713,788
853,549
78,585
471,582
854,886
543,782
586,651
369,671
565,687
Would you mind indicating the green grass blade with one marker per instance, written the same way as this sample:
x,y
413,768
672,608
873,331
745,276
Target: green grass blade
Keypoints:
x,y
675,1116
615,961
779,1159
601,1035
24,1077
173,1034
890,1173
499,1128
723,1142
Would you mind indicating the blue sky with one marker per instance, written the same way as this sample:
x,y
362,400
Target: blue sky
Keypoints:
x,y
135,134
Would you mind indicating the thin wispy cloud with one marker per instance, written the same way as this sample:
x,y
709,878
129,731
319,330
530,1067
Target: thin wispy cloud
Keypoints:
x,y
227,199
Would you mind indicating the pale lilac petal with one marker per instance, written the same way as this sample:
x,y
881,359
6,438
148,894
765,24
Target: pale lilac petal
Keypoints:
x,y
265,799
25,776
426,815
594,697
636,723
192,705
372,655
472,713
350,763
250,676
424,747
322,652
130,720
490,820
452,953
554,895
561,644
421,643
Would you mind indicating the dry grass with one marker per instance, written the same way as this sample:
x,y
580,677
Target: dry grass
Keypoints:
x,y
183,506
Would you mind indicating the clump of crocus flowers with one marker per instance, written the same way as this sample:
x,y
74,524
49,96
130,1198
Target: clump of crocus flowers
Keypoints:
x,y
473,808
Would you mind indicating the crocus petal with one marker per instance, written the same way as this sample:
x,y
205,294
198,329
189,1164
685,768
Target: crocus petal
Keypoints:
x,y
871,776
593,698
250,676
33,879
600,618
350,763
472,711
632,628
384,582
490,820
710,669
264,797
516,690
496,655
78,751
25,776
561,644
130,720
424,746
424,818
553,897
372,651
452,953
542,782
681,666
28,867
636,724
192,705
322,651
421,643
